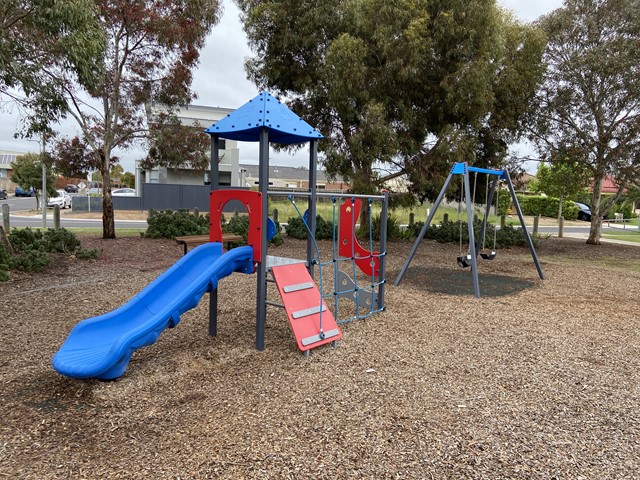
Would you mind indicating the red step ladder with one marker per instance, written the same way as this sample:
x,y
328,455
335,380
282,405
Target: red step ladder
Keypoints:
x,y
303,304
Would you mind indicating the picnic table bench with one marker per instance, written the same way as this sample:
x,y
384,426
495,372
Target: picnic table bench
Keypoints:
x,y
195,240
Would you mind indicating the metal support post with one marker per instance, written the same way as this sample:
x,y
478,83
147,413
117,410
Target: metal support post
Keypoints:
x,y
261,295
514,198
383,249
214,175
313,177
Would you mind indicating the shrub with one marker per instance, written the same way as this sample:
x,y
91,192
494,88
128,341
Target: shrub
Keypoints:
x,y
53,240
238,224
23,239
452,231
547,206
393,229
296,229
60,241
30,261
87,253
169,224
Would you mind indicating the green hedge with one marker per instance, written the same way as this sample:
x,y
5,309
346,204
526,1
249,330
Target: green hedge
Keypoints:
x,y
547,206
452,231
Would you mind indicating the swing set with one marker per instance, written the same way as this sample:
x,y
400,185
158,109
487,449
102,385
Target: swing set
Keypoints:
x,y
476,247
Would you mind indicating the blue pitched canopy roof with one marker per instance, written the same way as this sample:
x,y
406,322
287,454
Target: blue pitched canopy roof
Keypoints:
x,y
244,124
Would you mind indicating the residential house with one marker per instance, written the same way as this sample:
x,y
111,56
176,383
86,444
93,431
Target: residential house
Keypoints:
x,y
290,178
229,153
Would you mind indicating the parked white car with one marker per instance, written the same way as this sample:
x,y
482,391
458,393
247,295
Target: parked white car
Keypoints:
x,y
123,192
63,200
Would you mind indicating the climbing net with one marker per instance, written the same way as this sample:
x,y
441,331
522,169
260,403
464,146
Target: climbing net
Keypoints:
x,y
358,271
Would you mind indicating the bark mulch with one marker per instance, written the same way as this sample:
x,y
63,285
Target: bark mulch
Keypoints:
x,y
537,379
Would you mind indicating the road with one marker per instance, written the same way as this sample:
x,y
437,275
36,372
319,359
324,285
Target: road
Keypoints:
x,y
22,204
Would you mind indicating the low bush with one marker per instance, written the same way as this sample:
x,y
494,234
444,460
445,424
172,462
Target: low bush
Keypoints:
x,y
296,228
33,247
453,231
393,229
170,224
87,253
30,261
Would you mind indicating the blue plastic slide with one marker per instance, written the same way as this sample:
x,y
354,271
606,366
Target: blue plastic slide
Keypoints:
x,y
101,347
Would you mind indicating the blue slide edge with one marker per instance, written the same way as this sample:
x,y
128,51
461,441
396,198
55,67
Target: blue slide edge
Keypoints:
x,y
101,347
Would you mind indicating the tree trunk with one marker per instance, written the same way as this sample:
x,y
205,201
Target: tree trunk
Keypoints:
x,y
560,208
108,221
596,219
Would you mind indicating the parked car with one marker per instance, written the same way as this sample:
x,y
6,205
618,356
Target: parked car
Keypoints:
x,y
584,212
63,200
123,192
21,192
71,188
94,191
3,194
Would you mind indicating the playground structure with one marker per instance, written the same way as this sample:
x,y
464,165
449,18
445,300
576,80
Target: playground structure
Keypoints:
x,y
474,245
101,347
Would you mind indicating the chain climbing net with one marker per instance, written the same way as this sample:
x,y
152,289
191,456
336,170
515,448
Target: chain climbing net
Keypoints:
x,y
358,271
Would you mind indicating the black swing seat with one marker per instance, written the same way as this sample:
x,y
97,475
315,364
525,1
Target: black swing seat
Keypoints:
x,y
464,260
488,256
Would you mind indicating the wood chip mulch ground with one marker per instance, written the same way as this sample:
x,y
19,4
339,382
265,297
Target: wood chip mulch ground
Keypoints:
x,y
537,379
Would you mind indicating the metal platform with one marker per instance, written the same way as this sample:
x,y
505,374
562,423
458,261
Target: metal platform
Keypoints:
x,y
273,261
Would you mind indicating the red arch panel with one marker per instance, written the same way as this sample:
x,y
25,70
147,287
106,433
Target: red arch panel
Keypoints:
x,y
252,201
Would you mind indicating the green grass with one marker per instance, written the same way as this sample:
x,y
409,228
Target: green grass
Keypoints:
x,y
326,210
626,235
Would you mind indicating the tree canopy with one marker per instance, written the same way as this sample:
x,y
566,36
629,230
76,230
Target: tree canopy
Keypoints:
x,y
27,173
588,108
409,86
40,39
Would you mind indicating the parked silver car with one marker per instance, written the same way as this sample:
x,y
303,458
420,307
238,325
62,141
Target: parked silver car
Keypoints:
x,y
63,200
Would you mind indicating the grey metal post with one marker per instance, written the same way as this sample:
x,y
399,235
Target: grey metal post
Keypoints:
x,y
423,231
313,177
489,200
214,175
5,218
472,244
383,249
261,295
514,198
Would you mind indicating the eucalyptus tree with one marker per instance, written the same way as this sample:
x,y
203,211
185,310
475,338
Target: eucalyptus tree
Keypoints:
x,y
152,48
41,38
588,107
411,85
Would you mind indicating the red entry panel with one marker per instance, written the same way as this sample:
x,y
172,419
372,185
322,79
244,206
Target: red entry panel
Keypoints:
x,y
302,301
366,261
252,201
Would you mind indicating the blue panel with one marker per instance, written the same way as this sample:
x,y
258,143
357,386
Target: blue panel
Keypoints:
x,y
487,171
459,168
245,123
101,347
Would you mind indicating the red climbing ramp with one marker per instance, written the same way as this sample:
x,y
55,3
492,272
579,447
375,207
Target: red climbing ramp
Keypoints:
x,y
302,301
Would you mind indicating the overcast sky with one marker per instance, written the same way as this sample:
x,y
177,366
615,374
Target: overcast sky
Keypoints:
x,y
220,81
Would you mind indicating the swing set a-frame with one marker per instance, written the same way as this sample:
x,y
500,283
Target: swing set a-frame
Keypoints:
x,y
474,246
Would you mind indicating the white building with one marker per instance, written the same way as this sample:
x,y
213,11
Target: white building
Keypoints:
x,y
229,154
